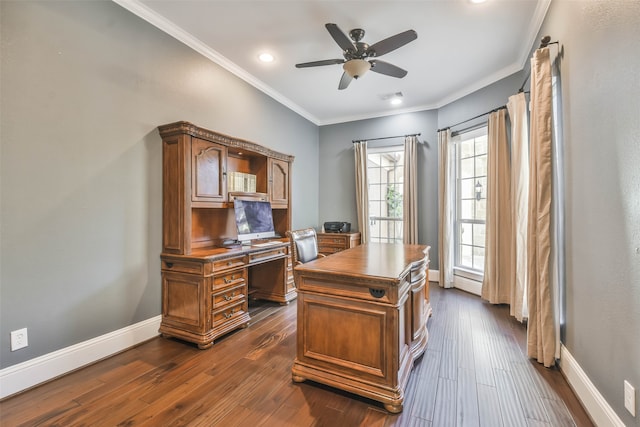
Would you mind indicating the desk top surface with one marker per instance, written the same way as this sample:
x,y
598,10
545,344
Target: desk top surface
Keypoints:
x,y
210,254
382,260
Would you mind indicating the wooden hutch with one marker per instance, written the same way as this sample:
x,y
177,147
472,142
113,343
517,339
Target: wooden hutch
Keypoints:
x,y
205,286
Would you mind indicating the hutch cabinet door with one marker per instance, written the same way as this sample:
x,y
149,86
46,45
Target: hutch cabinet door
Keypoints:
x,y
208,163
279,182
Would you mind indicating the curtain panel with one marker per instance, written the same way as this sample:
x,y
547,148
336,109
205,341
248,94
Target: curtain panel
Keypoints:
x,y
446,206
517,107
541,340
499,260
410,191
362,190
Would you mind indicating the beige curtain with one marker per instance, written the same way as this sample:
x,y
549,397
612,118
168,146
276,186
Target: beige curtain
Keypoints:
x,y
446,206
517,107
362,190
541,340
410,191
499,269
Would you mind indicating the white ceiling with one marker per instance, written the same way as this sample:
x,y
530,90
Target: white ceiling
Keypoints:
x,y
461,47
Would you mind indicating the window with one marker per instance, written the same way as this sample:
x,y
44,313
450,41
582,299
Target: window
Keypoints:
x,y
385,172
471,202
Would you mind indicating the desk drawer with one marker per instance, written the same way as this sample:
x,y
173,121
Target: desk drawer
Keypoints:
x,y
347,287
232,278
229,296
257,257
340,242
183,266
227,313
328,250
229,263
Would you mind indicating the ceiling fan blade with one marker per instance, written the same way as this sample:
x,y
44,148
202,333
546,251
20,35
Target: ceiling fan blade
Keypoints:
x,y
319,63
387,69
392,43
340,37
344,81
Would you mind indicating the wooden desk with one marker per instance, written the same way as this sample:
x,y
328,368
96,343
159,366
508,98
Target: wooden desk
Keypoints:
x,y
205,294
362,319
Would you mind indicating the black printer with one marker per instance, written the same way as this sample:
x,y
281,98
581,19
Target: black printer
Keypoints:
x,y
337,227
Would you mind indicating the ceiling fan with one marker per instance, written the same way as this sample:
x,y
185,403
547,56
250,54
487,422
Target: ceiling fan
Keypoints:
x,y
357,55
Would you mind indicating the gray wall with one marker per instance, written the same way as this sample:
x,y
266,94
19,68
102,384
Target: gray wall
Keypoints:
x,y
84,87
337,176
479,102
600,69
337,189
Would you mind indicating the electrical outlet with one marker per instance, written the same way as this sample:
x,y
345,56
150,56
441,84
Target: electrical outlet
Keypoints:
x,y
630,398
19,339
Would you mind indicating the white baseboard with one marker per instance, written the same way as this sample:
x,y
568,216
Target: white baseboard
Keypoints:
x,y
434,276
22,376
593,402
467,285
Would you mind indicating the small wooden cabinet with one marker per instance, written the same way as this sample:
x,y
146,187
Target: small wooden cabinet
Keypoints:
x,y
330,243
205,288
203,298
209,163
279,183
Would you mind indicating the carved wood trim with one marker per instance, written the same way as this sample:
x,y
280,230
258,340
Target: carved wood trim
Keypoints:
x,y
188,128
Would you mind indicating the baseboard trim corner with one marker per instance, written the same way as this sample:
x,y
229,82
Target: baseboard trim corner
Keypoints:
x,y
434,276
593,402
30,373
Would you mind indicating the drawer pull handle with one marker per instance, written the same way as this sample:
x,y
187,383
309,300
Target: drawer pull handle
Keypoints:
x,y
228,262
169,264
226,280
376,293
229,297
229,314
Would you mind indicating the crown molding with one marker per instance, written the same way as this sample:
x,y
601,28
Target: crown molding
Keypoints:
x,y
160,22
143,12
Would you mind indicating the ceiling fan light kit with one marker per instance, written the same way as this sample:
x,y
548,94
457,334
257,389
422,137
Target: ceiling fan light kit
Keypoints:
x,y
356,67
358,55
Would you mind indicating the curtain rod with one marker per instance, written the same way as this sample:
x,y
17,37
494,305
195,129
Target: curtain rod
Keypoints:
x,y
385,137
473,118
546,41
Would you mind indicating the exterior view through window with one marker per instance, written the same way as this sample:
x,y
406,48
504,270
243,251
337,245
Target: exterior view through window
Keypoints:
x,y
385,169
471,202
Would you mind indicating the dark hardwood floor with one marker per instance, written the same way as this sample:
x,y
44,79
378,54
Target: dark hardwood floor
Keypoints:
x,y
473,373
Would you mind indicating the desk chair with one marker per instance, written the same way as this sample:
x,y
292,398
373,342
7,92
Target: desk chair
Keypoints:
x,y
304,245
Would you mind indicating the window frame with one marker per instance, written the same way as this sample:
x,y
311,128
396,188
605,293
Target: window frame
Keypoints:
x,y
462,270
398,226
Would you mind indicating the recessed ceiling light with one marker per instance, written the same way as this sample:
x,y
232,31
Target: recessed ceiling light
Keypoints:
x,y
394,98
266,57
477,1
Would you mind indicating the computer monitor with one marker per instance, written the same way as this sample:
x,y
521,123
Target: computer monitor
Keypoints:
x,y
254,220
